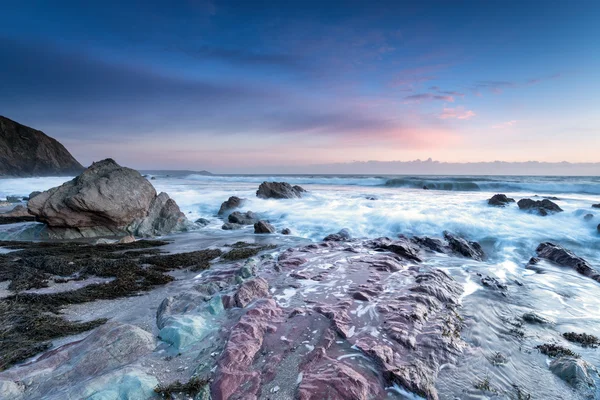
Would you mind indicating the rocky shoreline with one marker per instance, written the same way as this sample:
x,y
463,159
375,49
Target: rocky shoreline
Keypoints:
x,y
257,318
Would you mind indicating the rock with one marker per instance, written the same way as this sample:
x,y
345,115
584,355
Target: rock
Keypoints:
x,y
127,239
575,371
372,198
566,258
493,283
500,200
18,211
588,217
248,218
13,199
232,203
263,227
251,290
543,207
403,247
464,247
533,318
334,381
127,383
202,222
279,190
342,235
164,216
10,389
596,205
184,330
26,152
228,226
106,199
71,368
286,231
33,194
244,343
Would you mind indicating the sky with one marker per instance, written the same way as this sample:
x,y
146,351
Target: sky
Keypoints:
x,y
232,86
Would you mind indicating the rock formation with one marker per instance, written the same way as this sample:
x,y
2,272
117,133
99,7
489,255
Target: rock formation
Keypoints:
x,y
541,207
106,199
28,152
500,200
279,190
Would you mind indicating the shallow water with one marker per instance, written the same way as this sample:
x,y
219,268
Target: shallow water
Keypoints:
x,y
508,235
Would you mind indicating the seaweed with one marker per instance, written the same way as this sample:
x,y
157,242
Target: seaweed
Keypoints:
x,y
555,351
190,388
242,250
30,320
584,339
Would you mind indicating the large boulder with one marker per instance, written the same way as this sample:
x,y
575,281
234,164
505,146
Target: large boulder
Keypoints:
x,y
279,190
232,203
541,207
500,200
25,152
106,199
576,372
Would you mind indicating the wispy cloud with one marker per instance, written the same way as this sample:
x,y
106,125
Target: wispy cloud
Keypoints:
x,y
457,113
418,98
504,125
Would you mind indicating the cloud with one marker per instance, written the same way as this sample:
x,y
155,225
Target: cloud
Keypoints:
x,y
418,98
498,87
504,125
457,113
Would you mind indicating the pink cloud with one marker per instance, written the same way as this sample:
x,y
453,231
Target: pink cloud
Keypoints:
x,y
457,113
504,125
418,98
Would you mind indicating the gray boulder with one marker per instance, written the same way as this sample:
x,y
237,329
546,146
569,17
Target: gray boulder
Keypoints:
x,y
566,258
230,226
279,190
106,199
263,227
541,207
464,247
247,218
232,203
588,217
500,200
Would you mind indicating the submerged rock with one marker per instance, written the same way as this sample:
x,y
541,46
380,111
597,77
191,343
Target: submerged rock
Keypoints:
x,y
230,204
533,318
101,202
541,207
286,231
263,227
596,205
576,372
566,258
500,200
588,217
202,222
279,190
